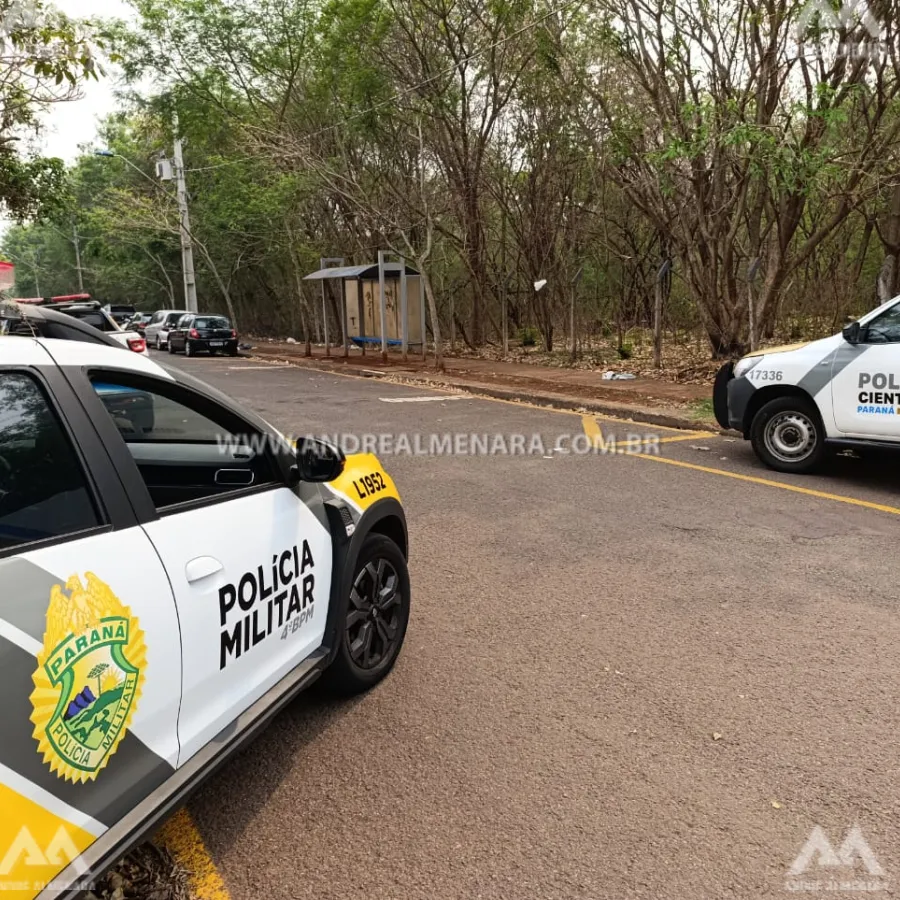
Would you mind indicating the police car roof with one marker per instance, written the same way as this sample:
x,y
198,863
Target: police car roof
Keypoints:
x,y
45,351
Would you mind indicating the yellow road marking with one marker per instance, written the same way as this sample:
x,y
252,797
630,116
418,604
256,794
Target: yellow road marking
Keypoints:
x,y
592,430
632,447
688,436
684,436
182,839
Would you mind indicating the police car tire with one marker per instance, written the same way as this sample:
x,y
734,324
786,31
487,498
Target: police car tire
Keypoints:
x,y
344,676
791,403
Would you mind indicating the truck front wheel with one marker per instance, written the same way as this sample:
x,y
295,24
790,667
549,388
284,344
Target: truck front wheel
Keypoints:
x,y
787,435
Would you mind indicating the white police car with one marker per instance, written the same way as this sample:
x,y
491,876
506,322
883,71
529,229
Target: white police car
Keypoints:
x,y
172,573
791,402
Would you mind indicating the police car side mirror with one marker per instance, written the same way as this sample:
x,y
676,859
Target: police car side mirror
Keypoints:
x,y
852,333
318,461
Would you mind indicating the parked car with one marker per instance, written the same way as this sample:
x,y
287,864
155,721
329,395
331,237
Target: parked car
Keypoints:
x,y
159,326
148,626
203,334
91,313
139,322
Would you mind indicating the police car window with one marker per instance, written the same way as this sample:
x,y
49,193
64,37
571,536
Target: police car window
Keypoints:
x,y
185,447
43,489
886,328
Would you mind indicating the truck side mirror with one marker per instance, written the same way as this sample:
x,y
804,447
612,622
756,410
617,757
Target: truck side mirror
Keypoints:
x,y
852,333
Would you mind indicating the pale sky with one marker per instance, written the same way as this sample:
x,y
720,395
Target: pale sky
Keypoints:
x,y
67,125
71,124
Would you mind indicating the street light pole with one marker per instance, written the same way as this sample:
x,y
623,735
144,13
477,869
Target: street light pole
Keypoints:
x,y
78,258
187,247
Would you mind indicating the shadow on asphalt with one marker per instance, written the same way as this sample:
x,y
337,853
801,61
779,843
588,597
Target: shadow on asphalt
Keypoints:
x,y
240,790
872,468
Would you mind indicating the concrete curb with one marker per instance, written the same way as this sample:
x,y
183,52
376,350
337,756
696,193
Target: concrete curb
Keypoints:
x,y
623,411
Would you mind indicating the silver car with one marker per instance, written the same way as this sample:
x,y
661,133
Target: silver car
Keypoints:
x,y
159,326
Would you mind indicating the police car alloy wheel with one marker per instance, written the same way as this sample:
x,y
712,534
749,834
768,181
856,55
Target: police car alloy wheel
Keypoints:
x,y
787,435
376,619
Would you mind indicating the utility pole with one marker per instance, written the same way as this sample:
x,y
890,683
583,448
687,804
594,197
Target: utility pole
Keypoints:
x,y
34,269
78,258
187,249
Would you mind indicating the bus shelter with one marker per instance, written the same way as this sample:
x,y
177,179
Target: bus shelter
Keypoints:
x,y
382,304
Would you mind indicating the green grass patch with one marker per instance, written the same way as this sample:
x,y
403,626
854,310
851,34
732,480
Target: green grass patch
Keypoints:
x,y
702,410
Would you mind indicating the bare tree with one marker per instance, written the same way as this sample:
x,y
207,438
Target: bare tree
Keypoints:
x,y
722,129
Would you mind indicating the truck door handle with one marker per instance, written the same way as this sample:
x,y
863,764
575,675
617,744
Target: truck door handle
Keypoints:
x,y
201,567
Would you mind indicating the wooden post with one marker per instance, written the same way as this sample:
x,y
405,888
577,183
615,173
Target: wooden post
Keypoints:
x,y
452,324
404,310
360,299
344,318
424,329
383,304
661,277
572,323
325,320
657,325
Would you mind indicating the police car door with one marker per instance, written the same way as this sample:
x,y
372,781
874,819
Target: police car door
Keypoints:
x,y
248,555
866,383
90,650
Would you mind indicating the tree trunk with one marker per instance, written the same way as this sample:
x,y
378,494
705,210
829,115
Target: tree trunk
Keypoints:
x,y
222,286
435,321
657,324
889,276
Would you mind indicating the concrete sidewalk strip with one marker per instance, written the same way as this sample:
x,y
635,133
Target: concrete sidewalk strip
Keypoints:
x,y
671,418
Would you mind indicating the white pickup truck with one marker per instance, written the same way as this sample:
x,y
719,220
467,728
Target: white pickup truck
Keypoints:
x,y
792,402
91,313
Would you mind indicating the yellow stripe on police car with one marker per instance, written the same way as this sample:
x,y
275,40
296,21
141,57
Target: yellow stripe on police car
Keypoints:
x,y
364,482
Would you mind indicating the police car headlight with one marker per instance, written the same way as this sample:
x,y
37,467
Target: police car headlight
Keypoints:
x,y
742,365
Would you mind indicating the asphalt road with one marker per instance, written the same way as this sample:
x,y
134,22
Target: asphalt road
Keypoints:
x,y
624,677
